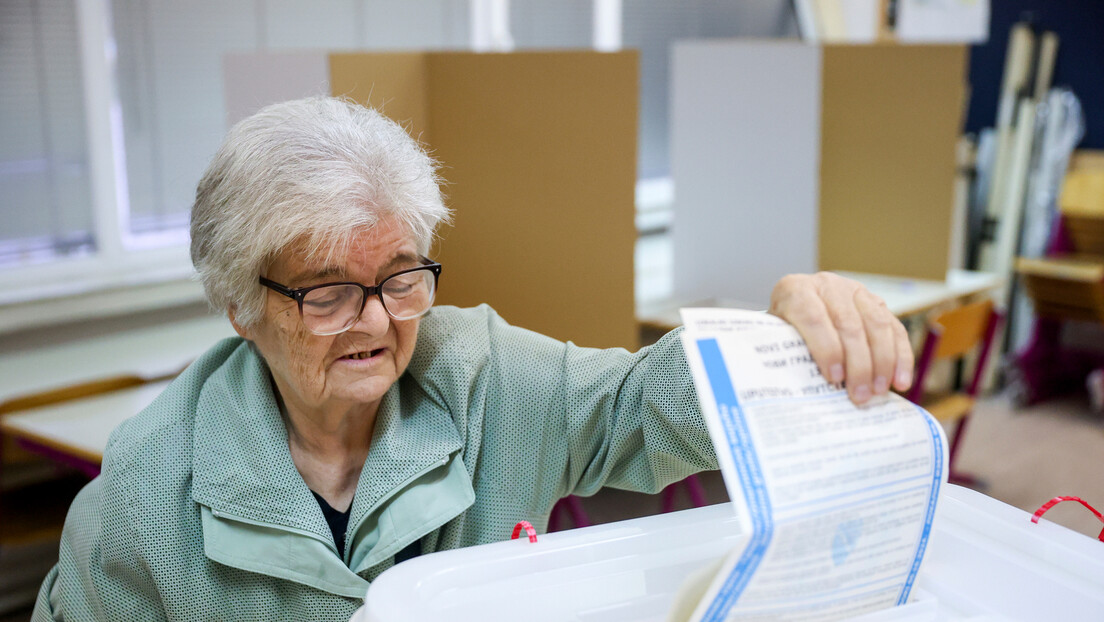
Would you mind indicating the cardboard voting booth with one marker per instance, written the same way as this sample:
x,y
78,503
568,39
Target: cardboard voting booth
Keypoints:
x,y
538,154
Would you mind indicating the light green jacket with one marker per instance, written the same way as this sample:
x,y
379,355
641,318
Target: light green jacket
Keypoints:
x,y
199,513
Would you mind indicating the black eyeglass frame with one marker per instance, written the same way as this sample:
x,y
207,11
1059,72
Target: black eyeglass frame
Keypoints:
x,y
299,293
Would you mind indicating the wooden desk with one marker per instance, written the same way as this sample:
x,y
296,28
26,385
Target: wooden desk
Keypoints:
x,y
149,352
76,432
903,296
906,297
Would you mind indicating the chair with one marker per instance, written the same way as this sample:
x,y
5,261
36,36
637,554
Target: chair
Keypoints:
x,y
572,507
1066,285
694,490
953,335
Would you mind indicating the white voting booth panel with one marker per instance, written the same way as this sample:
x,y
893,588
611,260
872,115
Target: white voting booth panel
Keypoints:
x,y
788,157
985,561
744,167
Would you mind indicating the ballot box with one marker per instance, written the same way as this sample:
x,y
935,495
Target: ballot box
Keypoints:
x,y
985,561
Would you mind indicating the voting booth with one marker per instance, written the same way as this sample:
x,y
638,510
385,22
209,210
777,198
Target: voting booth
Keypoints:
x,y
788,157
985,561
538,158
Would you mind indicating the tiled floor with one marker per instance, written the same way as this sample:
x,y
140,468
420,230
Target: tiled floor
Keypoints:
x,y
1025,457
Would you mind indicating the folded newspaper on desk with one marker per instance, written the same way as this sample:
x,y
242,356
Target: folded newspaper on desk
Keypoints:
x,y
837,500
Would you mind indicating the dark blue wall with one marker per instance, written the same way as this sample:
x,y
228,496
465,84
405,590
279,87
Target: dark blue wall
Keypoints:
x,y
1080,65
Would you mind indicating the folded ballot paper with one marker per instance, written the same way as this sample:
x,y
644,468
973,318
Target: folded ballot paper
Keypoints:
x,y
837,500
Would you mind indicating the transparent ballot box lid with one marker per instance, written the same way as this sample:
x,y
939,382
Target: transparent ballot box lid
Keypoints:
x,y
985,561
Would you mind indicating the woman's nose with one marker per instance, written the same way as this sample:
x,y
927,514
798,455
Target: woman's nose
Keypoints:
x,y
374,319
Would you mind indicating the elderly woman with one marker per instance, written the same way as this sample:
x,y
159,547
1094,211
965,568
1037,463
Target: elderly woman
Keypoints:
x,y
353,425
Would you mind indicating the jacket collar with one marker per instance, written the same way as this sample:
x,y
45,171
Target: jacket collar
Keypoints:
x,y
243,472
242,465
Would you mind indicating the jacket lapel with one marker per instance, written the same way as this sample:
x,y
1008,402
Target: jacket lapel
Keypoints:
x,y
279,552
413,481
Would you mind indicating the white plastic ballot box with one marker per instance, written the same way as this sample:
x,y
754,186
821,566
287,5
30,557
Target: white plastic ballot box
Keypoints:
x,y
985,561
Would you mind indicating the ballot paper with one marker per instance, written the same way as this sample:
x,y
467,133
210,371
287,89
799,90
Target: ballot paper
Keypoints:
x,y
837,500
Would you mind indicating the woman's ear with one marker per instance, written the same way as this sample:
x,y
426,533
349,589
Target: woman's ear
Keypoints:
x,y
241,330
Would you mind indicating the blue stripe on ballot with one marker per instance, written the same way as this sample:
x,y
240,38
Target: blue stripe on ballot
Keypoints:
x,y
751,480
933,496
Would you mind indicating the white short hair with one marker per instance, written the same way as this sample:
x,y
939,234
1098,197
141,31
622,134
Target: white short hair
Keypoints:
x,y
317,169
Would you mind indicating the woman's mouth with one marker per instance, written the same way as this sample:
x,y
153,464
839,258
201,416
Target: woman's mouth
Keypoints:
x,y
359,356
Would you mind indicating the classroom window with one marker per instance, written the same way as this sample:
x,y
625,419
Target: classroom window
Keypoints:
x,y
44,184
170,75
111,109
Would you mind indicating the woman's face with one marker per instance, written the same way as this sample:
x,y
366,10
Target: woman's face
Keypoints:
x,y
352,369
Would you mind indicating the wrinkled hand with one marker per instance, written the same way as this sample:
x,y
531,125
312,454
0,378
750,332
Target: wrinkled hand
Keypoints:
x,y
850,333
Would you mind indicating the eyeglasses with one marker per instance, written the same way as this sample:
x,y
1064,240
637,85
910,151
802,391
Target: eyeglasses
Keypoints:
x,y
333,308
